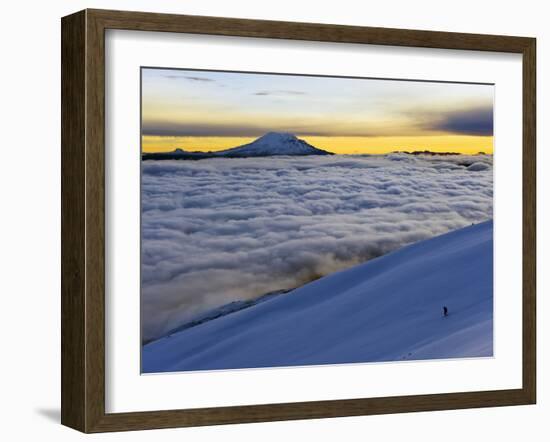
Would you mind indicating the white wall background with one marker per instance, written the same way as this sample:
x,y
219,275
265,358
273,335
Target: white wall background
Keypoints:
x,y
30,216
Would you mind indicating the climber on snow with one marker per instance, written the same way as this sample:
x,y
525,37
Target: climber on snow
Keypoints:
x,y
445,311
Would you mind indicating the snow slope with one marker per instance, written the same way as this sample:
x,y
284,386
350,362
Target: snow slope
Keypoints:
x,y
387,309
225,309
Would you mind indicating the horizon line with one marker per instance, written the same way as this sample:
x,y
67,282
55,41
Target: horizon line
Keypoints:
x,y
340,145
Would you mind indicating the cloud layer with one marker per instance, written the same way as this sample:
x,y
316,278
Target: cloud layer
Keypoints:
x,y
473,120
467,122
219,230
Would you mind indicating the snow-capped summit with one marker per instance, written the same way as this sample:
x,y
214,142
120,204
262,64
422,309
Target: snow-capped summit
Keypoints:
x,y
270,144
277,137
274,143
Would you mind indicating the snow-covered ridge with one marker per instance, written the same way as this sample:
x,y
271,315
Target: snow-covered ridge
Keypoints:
x,y
224,310
387,309
275,143
224,230
270,144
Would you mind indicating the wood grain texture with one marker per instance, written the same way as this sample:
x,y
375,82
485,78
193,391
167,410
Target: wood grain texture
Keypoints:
x,y
144,21
95,221
83,220
529,220
73,128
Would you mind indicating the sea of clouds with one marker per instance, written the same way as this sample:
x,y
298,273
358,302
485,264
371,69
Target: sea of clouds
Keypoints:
x,y
219,230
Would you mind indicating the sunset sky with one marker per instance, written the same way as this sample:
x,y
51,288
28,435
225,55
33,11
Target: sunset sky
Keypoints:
x,y
204,110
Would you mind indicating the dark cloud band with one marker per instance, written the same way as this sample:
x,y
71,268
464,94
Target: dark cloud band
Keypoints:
x,y
464,122
238,130
201,130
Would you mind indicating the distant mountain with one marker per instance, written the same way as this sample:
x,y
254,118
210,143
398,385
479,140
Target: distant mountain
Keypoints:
x,y
274,143
270,144
433,153
426,152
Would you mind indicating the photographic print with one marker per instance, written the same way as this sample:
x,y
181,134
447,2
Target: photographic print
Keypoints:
x,y
301,220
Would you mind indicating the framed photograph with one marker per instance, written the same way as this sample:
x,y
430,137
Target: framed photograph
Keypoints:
x,y
269,220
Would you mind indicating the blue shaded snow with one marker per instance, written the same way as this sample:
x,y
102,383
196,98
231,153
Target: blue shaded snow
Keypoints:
x,y
387,309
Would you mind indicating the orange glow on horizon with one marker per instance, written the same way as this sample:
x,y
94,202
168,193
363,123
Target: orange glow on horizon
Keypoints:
x,y
464,144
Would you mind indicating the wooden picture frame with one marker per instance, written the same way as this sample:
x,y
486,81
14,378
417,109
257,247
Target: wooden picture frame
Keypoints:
x,y
83,220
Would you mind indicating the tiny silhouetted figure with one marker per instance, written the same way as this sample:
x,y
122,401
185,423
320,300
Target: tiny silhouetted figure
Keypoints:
x,y
445,311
